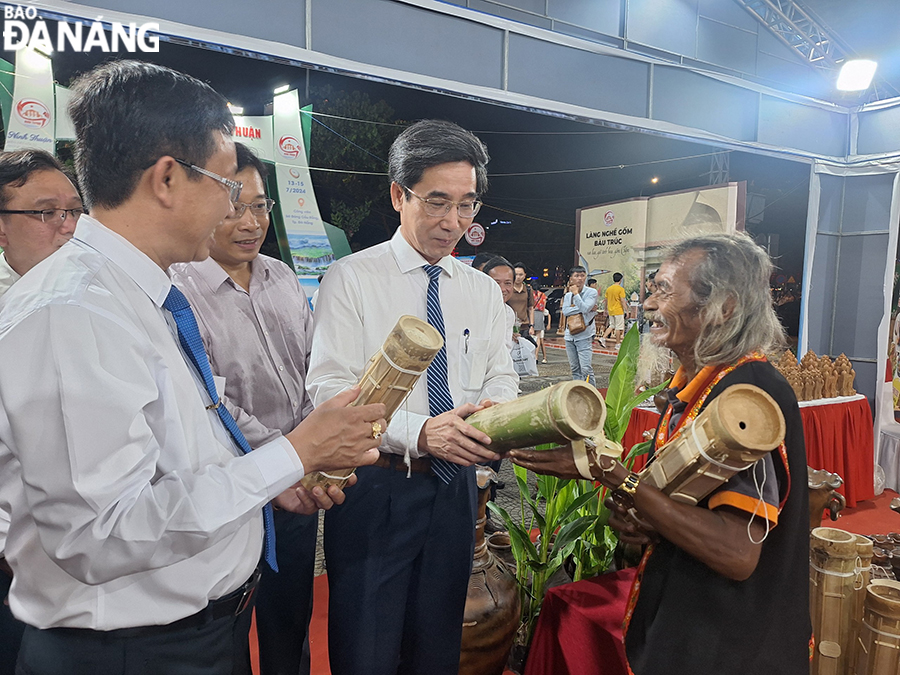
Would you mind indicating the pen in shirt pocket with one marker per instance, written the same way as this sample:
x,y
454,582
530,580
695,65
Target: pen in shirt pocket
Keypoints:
x,y
466,335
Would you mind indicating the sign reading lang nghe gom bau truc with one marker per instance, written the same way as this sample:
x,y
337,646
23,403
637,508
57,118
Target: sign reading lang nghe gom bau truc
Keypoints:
x,y
610,236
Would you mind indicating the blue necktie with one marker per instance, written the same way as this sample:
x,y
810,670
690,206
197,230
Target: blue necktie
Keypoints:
x,y
439,399
189,336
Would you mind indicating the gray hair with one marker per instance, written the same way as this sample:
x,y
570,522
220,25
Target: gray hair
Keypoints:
x,y
432,142
733,270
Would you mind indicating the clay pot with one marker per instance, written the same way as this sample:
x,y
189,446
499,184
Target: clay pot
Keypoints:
x,y
492,602
498,544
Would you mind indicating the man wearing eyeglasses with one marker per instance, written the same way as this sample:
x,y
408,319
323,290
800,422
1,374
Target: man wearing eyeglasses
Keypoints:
x,y
139,512
399,550
39,207
257,329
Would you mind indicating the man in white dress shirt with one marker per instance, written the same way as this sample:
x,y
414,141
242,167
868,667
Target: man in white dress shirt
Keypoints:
x,y
38,210
39,207
399,550
136,521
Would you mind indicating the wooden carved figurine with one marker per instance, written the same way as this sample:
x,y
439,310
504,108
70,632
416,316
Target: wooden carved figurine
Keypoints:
x,y
846,376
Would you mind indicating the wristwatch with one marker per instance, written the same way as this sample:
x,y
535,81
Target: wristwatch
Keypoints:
x,y
624,494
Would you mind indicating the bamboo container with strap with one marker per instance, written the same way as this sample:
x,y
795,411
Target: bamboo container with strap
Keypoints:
x,y
390,376
567,411
737,428
879,638
833,575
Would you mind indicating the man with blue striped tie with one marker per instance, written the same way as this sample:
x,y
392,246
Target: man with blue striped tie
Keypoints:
x,y
399,549
138,511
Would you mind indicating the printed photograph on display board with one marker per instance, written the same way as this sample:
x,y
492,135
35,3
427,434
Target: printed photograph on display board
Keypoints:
x,y
631,236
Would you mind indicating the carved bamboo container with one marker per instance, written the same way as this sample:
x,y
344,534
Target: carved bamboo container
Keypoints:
x,y
739,427
864,550
879,638
832,579
492,601
567,411
390,375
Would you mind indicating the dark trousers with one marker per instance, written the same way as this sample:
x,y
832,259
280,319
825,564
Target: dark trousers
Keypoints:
x,y
399,555
11,630
284,600
216,648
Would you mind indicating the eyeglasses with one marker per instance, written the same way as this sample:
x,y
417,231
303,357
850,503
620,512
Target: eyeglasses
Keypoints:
x,y
52,216
234,186
258,209
439,208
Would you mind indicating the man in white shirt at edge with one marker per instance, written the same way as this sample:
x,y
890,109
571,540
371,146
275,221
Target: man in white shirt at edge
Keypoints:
x,y
399,549
32,181
136,523
39,207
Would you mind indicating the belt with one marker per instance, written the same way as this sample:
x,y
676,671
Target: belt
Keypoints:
x,y
234,604
387,460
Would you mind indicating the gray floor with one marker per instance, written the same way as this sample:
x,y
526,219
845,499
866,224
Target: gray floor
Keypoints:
x,y
555,370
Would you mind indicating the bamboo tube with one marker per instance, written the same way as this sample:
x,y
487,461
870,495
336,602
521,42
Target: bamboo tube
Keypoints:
x,y
879,640
390,376
737,428
832,577
567,411
864,547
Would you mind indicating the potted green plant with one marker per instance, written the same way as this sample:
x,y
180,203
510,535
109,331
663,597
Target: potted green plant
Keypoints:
x,y
569,516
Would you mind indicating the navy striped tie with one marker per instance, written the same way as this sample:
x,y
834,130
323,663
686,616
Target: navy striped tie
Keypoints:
x,y
439,399
189,336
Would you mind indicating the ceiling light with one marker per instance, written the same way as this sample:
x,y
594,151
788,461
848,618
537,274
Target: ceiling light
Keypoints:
x,y
856,75
654,180
283,88
236,109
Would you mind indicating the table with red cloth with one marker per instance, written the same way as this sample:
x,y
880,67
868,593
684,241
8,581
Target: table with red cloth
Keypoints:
x,y
839,438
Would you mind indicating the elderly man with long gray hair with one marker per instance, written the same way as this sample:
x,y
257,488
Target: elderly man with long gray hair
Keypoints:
x,y
723,584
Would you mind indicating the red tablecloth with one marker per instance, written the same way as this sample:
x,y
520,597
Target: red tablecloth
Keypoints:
x,y
579,631
642,419
839,438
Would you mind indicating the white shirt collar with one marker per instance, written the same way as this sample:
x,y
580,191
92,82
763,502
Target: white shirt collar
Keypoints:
x,y
8,276
134,262
409,258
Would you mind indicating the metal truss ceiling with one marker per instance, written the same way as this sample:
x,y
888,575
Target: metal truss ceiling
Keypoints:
x,y
796,27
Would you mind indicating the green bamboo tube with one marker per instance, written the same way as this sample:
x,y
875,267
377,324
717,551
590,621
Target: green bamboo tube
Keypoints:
x,y
565,412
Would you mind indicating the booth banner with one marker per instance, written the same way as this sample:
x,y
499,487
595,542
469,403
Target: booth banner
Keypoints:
x,y
631,235
256,133
32,120
311,252
65,129
610,235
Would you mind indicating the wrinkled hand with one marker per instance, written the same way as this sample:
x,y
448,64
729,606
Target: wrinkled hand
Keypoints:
x,y
297,499
630,532
447,436
337,435
557,461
